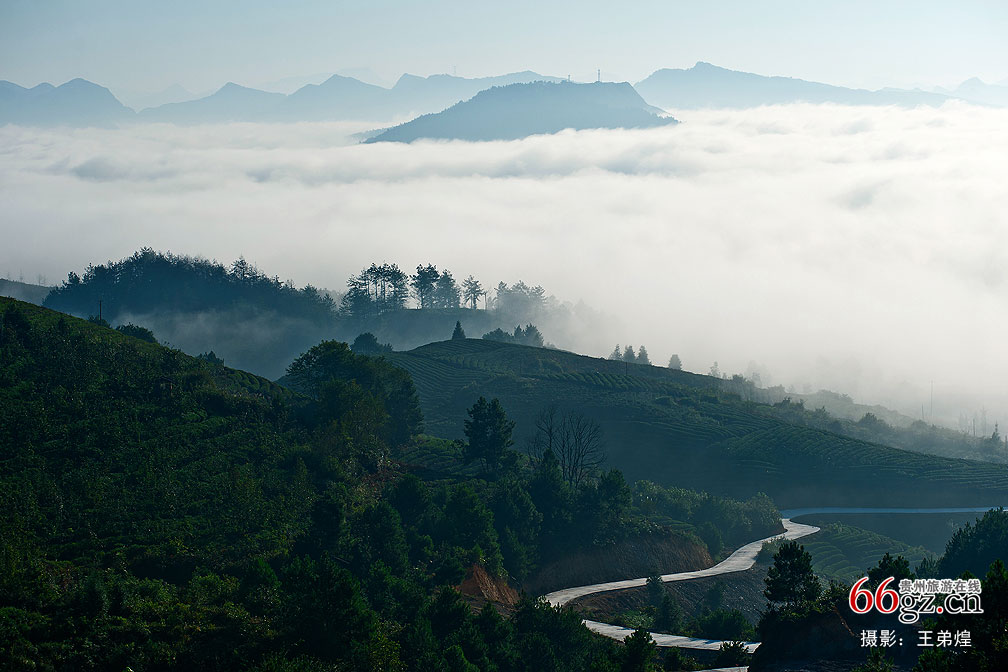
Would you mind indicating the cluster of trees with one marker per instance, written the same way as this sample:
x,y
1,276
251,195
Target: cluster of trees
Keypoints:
x,y
530,335
713,620
519,299
543,512
150,281
376,290
975,546
382,288
143,333
627,355
367,344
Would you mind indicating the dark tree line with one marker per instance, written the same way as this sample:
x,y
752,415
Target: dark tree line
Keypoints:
x,y
150,281
627,355
530,335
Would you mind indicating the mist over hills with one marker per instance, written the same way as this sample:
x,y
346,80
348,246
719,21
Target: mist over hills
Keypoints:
x,y
520,110
706,85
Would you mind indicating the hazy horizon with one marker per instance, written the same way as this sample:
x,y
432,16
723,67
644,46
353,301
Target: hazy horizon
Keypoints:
x,y
200,47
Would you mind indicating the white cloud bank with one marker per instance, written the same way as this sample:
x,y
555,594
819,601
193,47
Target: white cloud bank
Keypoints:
x,y
860,249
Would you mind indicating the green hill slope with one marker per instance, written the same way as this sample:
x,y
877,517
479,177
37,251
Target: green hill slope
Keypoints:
x,y
130,450
846,553
673,427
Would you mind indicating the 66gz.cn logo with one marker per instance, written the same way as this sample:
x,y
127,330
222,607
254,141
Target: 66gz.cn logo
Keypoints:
x,y
921,596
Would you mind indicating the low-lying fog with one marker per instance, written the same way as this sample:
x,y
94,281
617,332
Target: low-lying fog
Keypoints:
x,y
858,249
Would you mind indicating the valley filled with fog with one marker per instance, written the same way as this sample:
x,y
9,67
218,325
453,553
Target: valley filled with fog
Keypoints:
x,y
859,249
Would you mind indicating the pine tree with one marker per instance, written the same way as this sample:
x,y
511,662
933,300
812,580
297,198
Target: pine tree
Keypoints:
x,y
458,334
488,431
642,356
791,580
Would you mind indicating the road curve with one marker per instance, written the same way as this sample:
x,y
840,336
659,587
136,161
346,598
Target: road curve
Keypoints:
x,y
739,561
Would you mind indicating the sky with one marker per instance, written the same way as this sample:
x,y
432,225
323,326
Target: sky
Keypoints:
x,y
148,46
856,249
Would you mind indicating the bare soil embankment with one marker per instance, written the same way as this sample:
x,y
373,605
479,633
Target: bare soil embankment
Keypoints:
x,y
640,556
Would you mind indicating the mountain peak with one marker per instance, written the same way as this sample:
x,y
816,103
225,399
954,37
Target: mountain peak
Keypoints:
x,y
407,78
514,111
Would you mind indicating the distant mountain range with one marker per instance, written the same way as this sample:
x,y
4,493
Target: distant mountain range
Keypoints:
x,y
337,98
342,98
708,86
520,110
76,103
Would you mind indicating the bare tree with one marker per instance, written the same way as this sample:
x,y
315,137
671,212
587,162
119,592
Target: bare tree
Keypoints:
x,y
581,448
546,433
575,440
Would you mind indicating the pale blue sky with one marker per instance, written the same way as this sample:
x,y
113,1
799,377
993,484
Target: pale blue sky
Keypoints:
x,y
150,45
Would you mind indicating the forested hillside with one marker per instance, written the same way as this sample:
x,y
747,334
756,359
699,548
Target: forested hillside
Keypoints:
x,y
166,512
260,323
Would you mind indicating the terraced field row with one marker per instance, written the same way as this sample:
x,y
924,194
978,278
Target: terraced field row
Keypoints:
x,y
435,377
808,449
846,553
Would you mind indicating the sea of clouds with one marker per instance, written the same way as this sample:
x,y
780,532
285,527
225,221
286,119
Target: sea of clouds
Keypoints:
x,y
859,249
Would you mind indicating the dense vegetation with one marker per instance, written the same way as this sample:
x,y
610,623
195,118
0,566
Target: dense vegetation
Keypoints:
x,y
674,428
975,546
663,614
530,335
816,623
150,281
165,512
